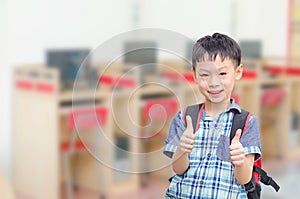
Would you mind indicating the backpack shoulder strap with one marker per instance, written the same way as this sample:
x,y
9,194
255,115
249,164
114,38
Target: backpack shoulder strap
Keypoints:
x,y
264,178
240,121
193,112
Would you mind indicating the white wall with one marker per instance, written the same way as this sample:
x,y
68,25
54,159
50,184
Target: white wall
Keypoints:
x,y
265,20
5,116
35,25
274,27
28,27
192,18
243,19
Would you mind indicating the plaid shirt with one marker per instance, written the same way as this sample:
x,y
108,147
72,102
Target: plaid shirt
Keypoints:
x,y
210,173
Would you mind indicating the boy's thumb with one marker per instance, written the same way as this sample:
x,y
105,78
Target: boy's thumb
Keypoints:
x,y
189,123
237,136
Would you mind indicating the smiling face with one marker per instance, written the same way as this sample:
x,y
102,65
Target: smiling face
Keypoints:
x,y
216,79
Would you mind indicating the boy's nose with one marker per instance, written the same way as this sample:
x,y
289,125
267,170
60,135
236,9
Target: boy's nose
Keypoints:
x,y
214,80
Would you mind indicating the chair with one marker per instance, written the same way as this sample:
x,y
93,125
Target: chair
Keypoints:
x,y
158,110
79,120
155,113
271,100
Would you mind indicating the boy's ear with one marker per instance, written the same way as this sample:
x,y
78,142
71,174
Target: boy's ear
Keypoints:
x,y
239,72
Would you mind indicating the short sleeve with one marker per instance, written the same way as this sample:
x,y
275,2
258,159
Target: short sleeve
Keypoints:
x,y
176,130
251,138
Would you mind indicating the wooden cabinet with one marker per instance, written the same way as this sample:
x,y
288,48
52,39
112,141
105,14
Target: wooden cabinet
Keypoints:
x,y
35,138
294,29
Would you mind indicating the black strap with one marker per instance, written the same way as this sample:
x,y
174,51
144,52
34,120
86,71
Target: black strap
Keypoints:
x,y
238,122
253,189
264,178
250,186
193,112
239,119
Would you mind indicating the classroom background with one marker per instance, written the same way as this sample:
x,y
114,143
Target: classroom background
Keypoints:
x,y
88,89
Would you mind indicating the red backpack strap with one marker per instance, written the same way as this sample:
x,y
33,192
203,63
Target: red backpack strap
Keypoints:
x,y
257,163
195,112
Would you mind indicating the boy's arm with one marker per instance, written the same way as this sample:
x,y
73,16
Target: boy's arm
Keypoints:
x,y
243,172
181,162
243,164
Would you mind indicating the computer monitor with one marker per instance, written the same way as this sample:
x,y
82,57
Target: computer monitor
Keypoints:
x,y
189,50
68,61
141,53
251,49
188,53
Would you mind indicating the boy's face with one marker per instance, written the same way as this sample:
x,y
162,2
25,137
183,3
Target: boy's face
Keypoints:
x,y
216,79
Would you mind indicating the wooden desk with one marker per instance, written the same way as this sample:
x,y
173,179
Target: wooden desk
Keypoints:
x,y
40,110
40,116
39,121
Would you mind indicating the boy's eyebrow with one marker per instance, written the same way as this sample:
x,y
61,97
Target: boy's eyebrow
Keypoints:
x,y
203,69
222,67
207,70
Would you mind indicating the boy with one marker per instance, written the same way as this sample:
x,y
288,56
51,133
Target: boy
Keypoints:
x,y
206,163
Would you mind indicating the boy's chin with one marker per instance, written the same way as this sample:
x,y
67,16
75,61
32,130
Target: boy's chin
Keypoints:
x,y
216,100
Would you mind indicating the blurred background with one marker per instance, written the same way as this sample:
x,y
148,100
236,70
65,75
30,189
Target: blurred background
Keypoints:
x,y
43,44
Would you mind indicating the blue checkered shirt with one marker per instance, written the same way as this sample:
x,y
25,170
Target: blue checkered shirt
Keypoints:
x,y
210,173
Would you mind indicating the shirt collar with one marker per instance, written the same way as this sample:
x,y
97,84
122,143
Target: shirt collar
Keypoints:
x,y
233,106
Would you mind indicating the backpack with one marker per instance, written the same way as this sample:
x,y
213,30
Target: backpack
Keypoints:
x,y
240,121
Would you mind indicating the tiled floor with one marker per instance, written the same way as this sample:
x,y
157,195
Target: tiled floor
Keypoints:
x,y
285,171
154,190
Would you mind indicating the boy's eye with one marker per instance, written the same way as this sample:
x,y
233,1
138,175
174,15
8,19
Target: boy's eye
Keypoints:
x,y
203,75
223,73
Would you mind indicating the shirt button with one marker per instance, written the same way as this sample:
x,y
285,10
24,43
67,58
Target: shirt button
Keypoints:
x,y
208,155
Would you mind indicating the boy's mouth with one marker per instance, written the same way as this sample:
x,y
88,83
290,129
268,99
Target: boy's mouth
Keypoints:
x,y
215,92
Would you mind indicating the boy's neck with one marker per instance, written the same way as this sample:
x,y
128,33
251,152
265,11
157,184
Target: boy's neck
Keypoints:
x,y
214,109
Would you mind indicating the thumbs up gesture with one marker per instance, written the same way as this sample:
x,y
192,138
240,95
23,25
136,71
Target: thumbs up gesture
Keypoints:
x,y
237,154
188,137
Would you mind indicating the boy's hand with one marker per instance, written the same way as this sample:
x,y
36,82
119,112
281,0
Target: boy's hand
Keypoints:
x,y
188,137
237,154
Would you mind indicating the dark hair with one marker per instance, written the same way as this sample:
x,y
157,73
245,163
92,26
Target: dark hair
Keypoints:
x,y
209,47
